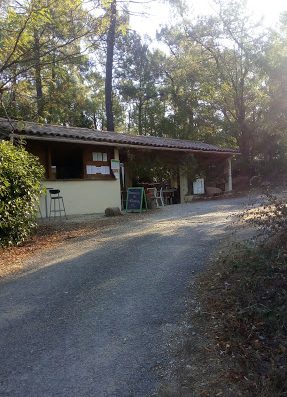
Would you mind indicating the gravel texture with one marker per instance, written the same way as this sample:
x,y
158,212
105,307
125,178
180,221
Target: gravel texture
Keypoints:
x,y
95,316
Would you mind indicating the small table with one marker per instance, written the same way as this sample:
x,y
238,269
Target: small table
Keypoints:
x,y
168,194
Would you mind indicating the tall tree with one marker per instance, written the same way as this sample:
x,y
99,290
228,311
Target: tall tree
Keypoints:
x,y
116,21
36,35
138,80
109,65
235,45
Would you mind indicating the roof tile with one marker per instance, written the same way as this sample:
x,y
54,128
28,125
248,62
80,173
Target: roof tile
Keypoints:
x,y
86,134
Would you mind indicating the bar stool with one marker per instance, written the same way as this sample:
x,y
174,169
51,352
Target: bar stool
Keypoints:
x,y
57,201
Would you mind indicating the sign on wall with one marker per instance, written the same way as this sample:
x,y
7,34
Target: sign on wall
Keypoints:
x,y
136,200
115,167
198,186
93,170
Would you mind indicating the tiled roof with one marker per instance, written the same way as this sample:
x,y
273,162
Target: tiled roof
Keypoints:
x,y
62,133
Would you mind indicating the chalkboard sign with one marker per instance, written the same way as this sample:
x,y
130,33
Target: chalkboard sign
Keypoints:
x,y
136,200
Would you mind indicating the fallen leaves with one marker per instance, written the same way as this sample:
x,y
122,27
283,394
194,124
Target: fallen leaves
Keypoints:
x,y
48,236
244,295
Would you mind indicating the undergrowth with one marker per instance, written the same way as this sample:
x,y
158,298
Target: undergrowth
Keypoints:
x,y
245,298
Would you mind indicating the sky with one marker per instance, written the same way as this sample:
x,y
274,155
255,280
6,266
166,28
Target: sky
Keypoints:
x,y
159,13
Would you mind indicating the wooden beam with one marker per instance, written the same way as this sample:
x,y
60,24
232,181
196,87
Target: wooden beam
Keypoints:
x,y
49,162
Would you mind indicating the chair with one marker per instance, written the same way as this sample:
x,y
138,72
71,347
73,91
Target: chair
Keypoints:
x,y
153,194
159,196
57,201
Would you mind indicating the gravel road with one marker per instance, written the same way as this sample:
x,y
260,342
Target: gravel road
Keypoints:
x,y
94,317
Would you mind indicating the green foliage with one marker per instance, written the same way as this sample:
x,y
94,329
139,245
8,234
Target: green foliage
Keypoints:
x,y
41,62
137,78
151,169
20,188
216,84
222,79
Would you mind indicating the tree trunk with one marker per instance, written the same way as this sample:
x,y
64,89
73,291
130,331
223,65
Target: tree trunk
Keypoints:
x,y
38,78
50,106
245,146
95,121
109,67
140,109
129,121
13,88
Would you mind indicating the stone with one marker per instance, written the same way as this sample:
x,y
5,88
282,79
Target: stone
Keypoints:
x,y
212,191
115,211
256,180
188,199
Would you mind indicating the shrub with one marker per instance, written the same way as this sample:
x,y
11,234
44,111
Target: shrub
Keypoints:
x,y
20,189
269,218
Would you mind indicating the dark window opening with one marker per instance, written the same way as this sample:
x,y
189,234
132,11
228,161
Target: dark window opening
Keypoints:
x,y
67,163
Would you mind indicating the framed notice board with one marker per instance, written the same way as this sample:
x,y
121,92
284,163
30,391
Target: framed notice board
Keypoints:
x,y
136,200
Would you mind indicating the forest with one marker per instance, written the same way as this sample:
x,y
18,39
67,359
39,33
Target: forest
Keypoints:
x,y
218,78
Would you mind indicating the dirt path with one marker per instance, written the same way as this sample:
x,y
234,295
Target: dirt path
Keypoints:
x,y
94,316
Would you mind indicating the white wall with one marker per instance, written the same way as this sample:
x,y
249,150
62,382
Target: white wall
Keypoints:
x,y
84,196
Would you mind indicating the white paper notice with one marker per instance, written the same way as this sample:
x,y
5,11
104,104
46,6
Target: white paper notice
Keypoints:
x,y
115,165
92,170
105,170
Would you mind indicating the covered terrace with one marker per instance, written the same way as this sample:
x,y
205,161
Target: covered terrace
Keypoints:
x,y
92,168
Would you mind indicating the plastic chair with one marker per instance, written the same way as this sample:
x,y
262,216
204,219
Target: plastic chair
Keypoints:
x,y
57,201
159,196
153,194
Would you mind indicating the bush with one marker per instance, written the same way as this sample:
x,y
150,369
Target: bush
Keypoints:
x,y
268,219
20,189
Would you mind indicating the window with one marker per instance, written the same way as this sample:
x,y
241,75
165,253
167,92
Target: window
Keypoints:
x,y
99,156
67,162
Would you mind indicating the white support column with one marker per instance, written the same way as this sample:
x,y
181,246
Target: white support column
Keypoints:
x,y
117,181
116,154
228,184
183,181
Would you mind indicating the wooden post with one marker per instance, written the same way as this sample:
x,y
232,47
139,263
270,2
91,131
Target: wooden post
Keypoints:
x,y
49,162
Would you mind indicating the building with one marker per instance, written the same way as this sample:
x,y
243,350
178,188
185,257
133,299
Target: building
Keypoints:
x,y
85,164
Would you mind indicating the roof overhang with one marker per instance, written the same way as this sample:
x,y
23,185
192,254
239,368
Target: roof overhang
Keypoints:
x,y
121,145
86,136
